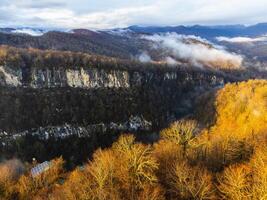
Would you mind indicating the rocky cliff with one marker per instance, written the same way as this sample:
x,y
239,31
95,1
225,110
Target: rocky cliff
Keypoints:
x,y
93,78
36,97
70,111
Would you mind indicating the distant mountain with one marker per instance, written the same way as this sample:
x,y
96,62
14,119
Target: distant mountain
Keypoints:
x,y
7,30
25,30
78,40
206,31
209,32
129,43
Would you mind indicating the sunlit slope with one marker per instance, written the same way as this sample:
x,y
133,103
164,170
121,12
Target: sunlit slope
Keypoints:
x,y
241,109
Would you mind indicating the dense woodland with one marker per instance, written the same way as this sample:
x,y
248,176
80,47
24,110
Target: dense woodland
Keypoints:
x,y
81,40
35,58
28,58
16,58
227,159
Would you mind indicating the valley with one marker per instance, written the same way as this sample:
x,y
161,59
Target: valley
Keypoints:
x,y
133,113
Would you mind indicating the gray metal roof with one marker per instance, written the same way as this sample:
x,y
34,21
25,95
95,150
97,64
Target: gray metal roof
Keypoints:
x,y
40,168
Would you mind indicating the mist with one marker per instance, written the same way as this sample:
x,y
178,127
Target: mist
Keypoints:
x,y
195,50
11,169
144,57
242,39
171,61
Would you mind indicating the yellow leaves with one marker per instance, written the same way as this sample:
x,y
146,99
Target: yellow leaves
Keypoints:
x,y
3,55
137,165
29,186
102,173
125,171
78,186
234,183
240,128
141,165
124,144
97,181
186,182
102,168
179,178
226,161
152,193
180,132
258,165
242,109
184,164
246,181
9,173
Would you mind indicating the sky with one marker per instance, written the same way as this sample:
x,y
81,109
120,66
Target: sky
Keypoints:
x,y
106,14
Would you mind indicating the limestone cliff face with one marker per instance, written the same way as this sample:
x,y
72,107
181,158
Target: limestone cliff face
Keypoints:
x,y
135,123
93,78
9,77
60,77
63,111
41,97
79,78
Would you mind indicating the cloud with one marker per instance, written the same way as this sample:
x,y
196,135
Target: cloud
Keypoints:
x,y
241,39
196,52
170,61
66,18
114,13
33,32
144,57
40,4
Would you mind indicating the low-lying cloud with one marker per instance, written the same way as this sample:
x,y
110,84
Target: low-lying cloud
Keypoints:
x,y
33,32
194,50
242,39
170,61
144,57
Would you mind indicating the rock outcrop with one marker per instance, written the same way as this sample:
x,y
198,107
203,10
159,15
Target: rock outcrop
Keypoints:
x,y
92,78
35,97
54,111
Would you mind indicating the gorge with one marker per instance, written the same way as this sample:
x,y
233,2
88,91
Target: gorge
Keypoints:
x,y
92,102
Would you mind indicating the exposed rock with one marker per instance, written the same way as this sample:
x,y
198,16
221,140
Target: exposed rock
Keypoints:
x,y
9,77
92,78
54,111
79,78
94,96
42,97
135,123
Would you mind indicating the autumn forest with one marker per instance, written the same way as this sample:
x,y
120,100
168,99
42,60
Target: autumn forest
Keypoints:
x,y
195,158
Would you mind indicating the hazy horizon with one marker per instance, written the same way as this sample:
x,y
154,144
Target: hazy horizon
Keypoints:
x,y
132,25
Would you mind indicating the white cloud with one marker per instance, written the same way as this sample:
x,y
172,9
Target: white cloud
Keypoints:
x,y
33,32
241,39
118,13
144,57
66,18
196,52
170,61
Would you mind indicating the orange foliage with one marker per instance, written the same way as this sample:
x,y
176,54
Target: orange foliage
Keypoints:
x,y
225,161
32,187
242,109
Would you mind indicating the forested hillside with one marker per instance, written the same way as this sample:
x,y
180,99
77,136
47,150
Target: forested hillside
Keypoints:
x,y
78,41
224,160
65,103
133,100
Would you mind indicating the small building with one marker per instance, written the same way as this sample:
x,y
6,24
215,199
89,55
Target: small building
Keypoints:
x,y
40,168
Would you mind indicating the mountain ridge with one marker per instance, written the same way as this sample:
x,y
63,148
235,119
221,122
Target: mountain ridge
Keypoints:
x,y
215,30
